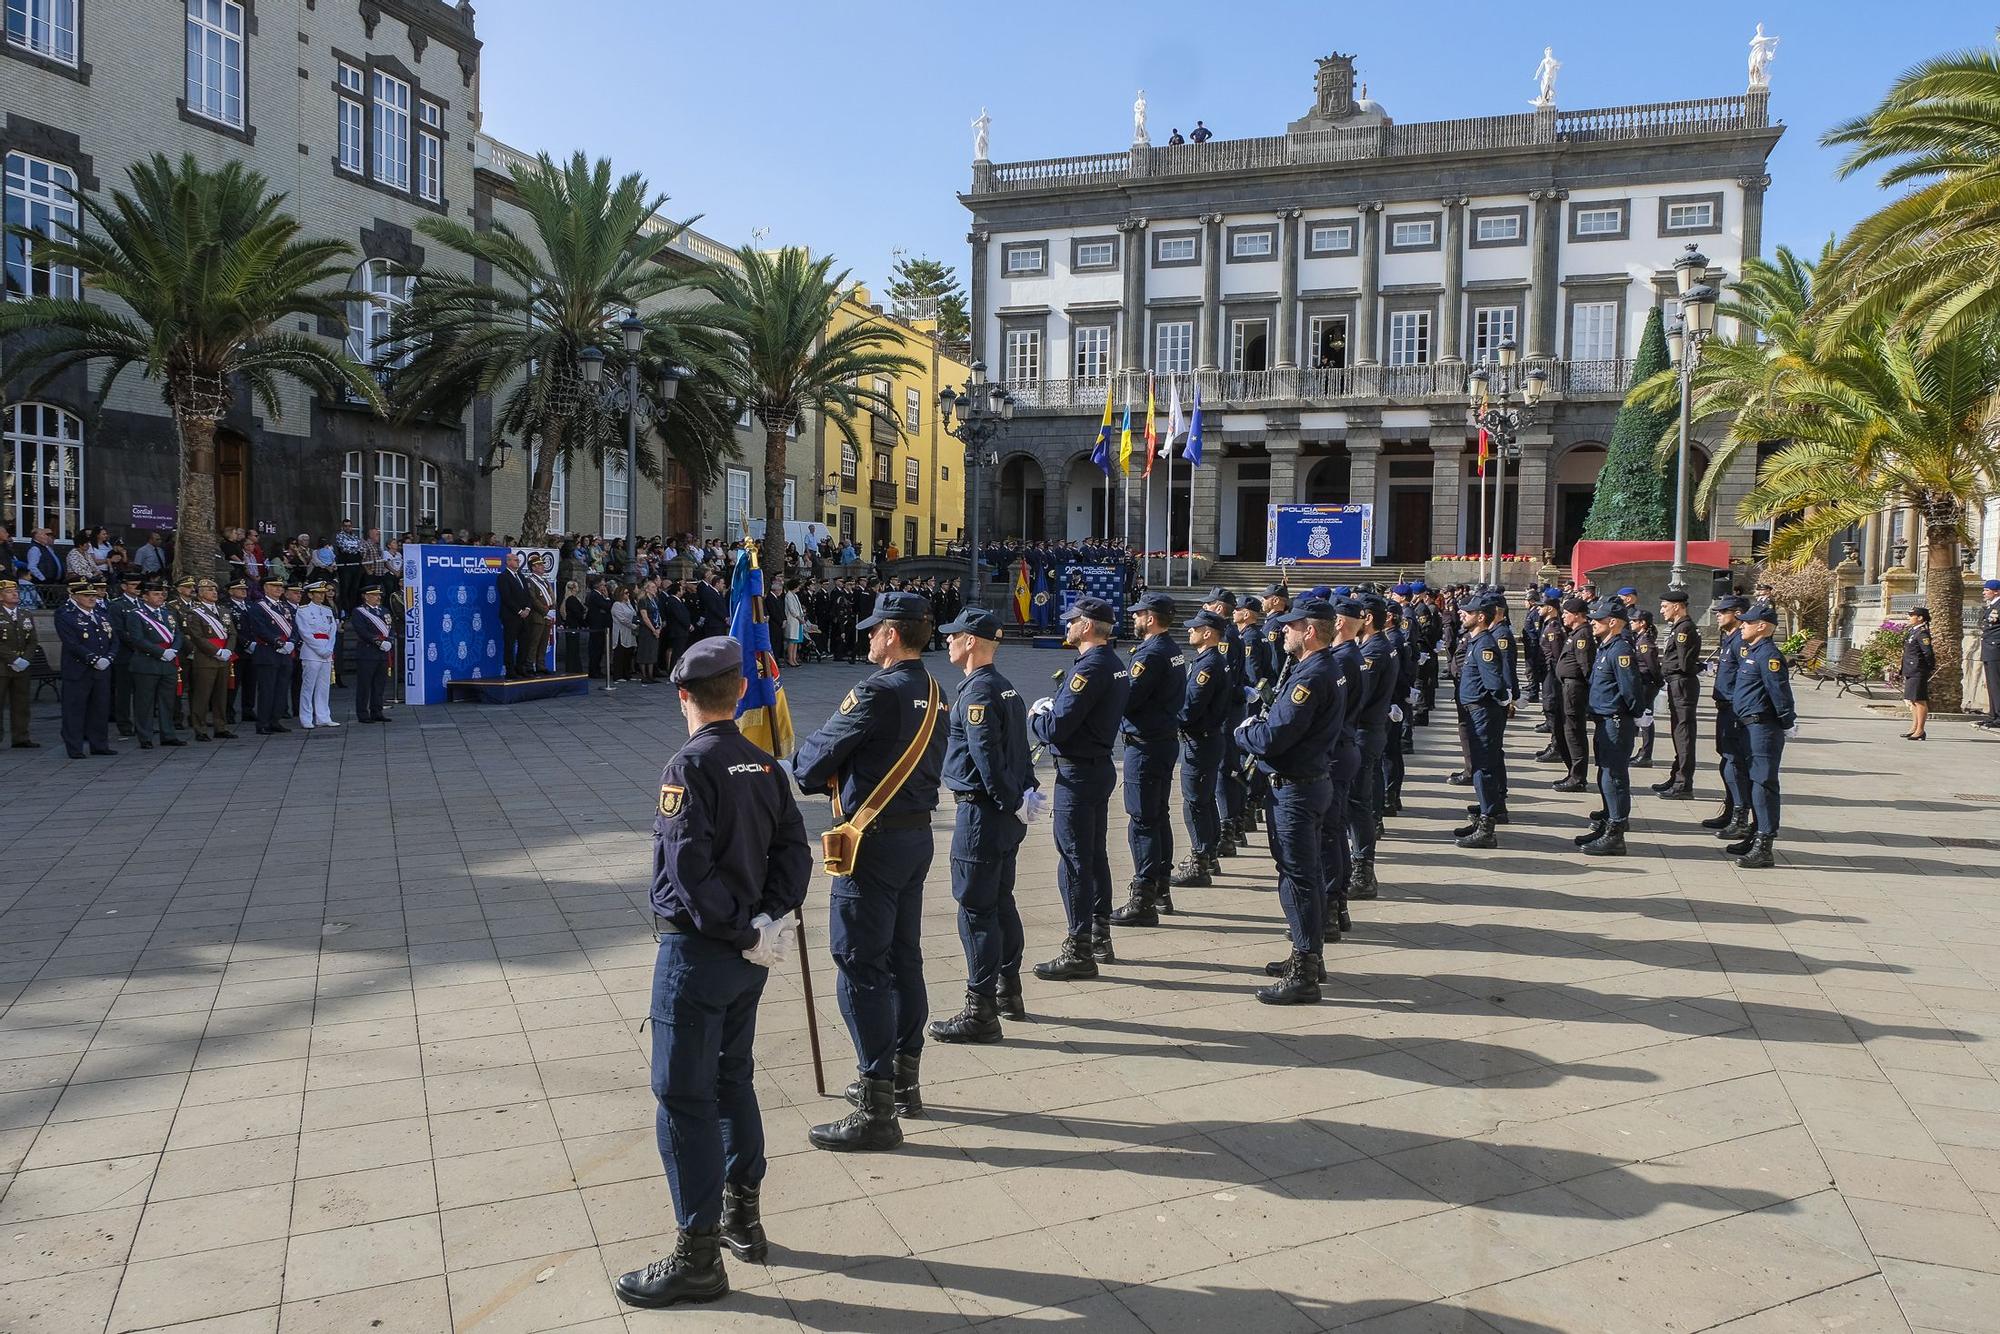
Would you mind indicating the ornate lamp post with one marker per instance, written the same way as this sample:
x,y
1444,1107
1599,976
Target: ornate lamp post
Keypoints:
x,y
1684,340
1492,414
626,398
974,416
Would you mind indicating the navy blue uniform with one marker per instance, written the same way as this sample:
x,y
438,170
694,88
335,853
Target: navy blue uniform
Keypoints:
x,y
1508,648
1079,729
1343,768
87,637
1731,749
1371,733
1617,697
1151,728
1239,657
986,770
1291,744
1426,630
877,912
1761,695
269,627
1210,708
1484,693
728,844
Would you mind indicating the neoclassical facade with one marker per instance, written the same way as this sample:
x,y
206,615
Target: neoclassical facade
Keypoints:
x,y
1328,289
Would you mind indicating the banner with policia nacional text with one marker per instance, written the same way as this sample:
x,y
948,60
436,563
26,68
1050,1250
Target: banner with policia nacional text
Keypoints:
x,y
451,619
1320,536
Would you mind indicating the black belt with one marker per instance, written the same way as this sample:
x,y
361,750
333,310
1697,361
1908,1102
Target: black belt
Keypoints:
x,y
667,926
913,820
976,798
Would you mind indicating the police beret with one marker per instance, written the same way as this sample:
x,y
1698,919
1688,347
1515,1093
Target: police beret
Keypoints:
x,y
1091,609
1991,585
1577,605
1551,598
1320,593
1343,591
896,607
1309,609
1607,609
1157,603
1400,590
1674,595
1209,620
1731,602
973,621
706,658
1628,592
1761,612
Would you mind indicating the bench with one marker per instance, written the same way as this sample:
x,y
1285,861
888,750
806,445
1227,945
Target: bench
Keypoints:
x,y
1844,671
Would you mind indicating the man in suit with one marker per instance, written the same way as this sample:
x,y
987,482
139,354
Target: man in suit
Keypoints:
x,y
517,613
154,644
714,599
597,621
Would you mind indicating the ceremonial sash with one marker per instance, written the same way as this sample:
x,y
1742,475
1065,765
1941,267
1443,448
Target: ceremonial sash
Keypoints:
x,y
166,635
381,626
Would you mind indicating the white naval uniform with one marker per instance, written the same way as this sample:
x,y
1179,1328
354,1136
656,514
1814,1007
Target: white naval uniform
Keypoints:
x,y
318,631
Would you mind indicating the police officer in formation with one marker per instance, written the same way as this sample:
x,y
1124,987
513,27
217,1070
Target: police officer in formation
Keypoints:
x,y
1344,762
1760,696
988,773
1263,658
1485,701
89,643
1680,667
1078,725
1646,647
878,908
1617,697
17,652
1156,693
1211,705
1574,659
1732,822
1232,795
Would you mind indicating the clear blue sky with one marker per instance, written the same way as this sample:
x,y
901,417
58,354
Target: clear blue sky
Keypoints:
x,y
844,126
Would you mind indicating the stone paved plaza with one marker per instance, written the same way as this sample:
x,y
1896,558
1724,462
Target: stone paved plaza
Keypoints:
x,y
340,1033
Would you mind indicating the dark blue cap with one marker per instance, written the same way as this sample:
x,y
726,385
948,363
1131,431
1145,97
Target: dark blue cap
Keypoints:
x,y
1091,609
1641,614
1674,595
1350,607
1276,591
1157,603
1220,594
1250,602
973,621
1311,609
1320,592
1606,609
1731,602
1991,585
1763,611
1575,604
708,657
897,607
1209,619
1628,592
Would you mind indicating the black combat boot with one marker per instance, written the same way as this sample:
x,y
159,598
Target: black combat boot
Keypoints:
x,y
1598,824
1541,726
1361,883
979,1021
1665,785
1392,803
1100,940
1229,844
1723,818
1459,778
693,1273
909,1093
1138,909
1341,923
1279,967
1299,985
1737,829
1010,999
1481,835
1743,844
1611,843
869,1128
1570,784
743,1224
1500,815
1194,873
1545,755
1072,962
1758,858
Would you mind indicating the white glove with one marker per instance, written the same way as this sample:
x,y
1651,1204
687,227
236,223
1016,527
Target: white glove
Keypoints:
x,y
1646,718
1439,646
1414,697
1395,713
100,663
1041,706
1793,730
1245,723
19,664
1423,658
284,648
1250,695
1033,804
223,655
169,654
386,645
774,940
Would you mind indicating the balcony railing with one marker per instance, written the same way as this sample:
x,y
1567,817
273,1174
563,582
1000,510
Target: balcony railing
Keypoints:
x,y
881,495
1242,389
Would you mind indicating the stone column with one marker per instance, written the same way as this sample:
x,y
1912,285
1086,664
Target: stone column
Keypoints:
x,y
1736,482
1450,337
1532,526
1281,442
978,239
1447,484
1205,510
1542,286
1131,339
1288,289
1364,464
1753,227
1368,314
1211,291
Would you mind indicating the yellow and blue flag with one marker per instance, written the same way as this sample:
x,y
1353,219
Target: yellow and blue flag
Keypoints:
x,y
762,714
1021,599
1100,453
1125,437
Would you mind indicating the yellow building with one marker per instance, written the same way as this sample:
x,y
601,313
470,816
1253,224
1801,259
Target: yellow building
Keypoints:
x,y
905,486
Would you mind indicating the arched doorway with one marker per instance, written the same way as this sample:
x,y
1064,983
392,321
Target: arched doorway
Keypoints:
x,y
1084,494
1330,481
1576,474
232,480
1020,510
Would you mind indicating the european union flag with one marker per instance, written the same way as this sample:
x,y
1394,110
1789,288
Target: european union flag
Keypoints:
x,y
762,714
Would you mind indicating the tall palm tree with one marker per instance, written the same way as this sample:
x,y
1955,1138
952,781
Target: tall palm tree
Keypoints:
x,y
787,359
208,267
1930,261
1877,422
589,255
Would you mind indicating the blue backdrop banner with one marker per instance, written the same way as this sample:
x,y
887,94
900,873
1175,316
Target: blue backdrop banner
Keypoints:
x,y
451,623
1315,536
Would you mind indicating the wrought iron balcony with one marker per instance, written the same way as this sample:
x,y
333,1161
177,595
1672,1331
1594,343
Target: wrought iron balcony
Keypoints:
x,y
1383,385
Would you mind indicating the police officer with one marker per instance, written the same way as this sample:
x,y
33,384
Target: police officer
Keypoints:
x,y
1574,659
1151,731
1761,696
1079,725
1231,794
878,908
1210,708
89,639
1680,668
1617,697
1733,820
730,866
1371,732
1646,649
1919,662
1531,644
1263,660
270,628
1292,743
1343,764
1402,712
17,649
1426,631
153,646
986,769
373,639
1989,650
1485,697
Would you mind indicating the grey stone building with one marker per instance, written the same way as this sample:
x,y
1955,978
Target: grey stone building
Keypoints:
x,y
1328,289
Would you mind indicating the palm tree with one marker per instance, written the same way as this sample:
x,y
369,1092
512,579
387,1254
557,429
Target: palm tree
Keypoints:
x,y
1930,261
590,254
1876,422
208,268
787,359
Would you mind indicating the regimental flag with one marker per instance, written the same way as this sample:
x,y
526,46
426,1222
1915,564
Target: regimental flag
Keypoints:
x,y
1482,451
1152,439
1045,601
1191,451
762,714
1100,453
1125,436
1022,602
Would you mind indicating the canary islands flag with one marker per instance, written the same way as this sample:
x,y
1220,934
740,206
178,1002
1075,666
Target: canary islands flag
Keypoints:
x,y
1125,436
1100,454
1021,599
762,714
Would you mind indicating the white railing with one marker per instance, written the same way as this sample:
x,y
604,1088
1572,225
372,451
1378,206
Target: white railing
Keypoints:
x,y
1654,120
1040,173
1233,389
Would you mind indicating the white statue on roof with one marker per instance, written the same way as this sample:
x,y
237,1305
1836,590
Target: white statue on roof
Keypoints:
x,y
1545,77
980,125
1762,50
1139,120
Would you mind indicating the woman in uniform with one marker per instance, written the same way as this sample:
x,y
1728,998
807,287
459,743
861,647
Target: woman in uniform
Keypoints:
x,y
1919,662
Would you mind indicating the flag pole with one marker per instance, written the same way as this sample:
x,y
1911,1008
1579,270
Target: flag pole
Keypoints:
x,y
1168,450
1482,521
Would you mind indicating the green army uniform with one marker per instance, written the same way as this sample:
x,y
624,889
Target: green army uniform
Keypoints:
x,y
17,645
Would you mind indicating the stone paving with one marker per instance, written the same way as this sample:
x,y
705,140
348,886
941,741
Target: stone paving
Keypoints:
x,y
340,1032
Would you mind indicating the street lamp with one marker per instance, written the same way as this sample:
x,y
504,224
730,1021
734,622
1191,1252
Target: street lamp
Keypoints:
x,y
652,406
974,416
1684,340
1491,413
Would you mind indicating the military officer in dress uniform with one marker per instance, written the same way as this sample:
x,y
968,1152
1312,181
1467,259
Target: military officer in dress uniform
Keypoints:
x,y
243,700
89,639
1989,650
730,866
154,646
276,644
986,769
122,599
1210,707
878,909
1079,725
372,635
17,652
210,631
1680,668
1617,698
1733,820
181,607
1151,729
318,627
1485,698
1761,696
1292,743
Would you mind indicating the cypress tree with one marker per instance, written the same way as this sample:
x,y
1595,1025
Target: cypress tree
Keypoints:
x,y
1635,495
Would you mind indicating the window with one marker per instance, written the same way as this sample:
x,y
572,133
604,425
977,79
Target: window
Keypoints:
x,y
391,130
1599,221
351,137
41,197
1095,255
392,492
1025,259
215,60
46,27
1174,249
1593,331
1173,347
1255,243
1498,227
1409,337
909,537
881,465
1688,217
1093,351
1327,342
911,473
617,497
1492,326
381,291
850,467
1413,235
1248,341
350,488
428,493
791,499
913,409
1024,356
736,495
43,481
1330,238
430,153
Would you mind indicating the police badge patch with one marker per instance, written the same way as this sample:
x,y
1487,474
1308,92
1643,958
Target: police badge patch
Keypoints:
x,y
1077,683
1772,664
1201,678
1486,655
672,798
1624,660
1300,694
1138,670
975,714
850,703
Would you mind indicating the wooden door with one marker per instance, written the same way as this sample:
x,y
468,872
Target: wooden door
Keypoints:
x,y
1409,525
232,462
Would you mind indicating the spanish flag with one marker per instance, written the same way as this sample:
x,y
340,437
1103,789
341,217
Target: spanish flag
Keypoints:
x,y
1022,605
762,714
